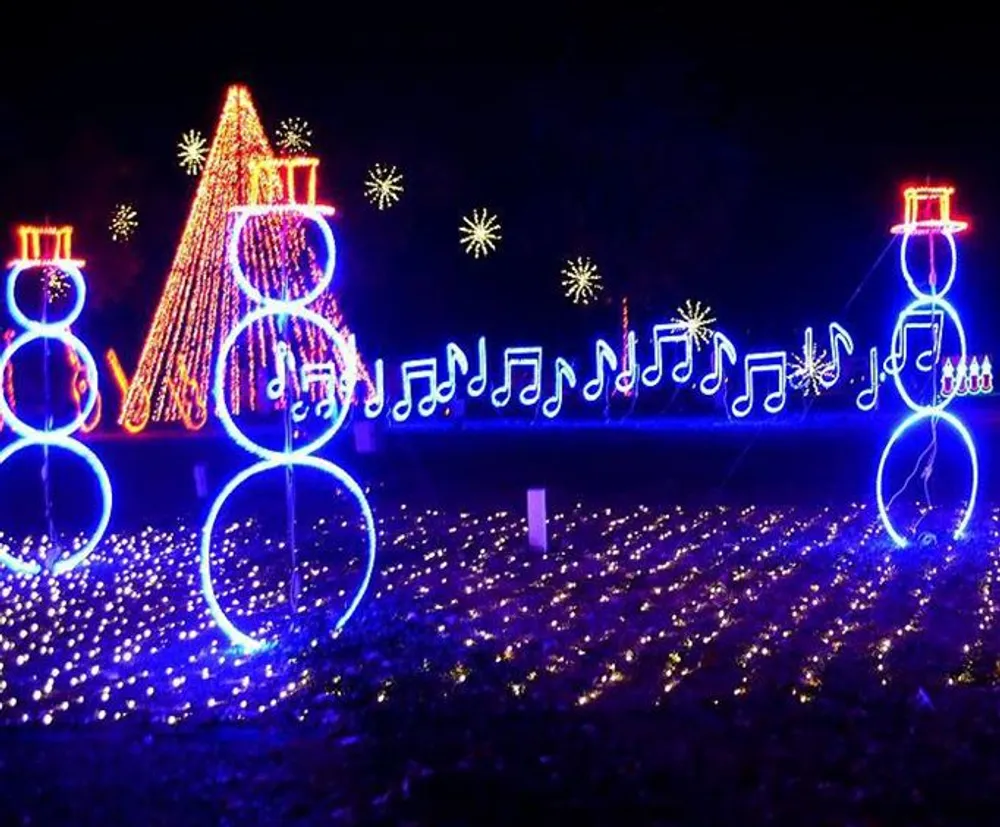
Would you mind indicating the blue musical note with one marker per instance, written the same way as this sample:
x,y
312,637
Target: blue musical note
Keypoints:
x,y
663,335
284,366
934,322
628,376
840,339
775,362
606,363
520,357
456,363
326,373
565,378
868,398
722,350
376,403
417,370
477,384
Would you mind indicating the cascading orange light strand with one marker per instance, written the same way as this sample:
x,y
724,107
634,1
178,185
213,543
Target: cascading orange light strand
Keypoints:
x,y
140,412
625,366
200,304
78,391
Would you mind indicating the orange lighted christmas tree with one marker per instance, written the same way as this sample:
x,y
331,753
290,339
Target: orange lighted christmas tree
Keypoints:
x,y
201,303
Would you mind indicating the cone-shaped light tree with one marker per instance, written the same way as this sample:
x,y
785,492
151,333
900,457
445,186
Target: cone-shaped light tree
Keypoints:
x,y
201,302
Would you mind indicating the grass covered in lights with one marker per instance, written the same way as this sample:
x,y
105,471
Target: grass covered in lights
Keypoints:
x,y
630,608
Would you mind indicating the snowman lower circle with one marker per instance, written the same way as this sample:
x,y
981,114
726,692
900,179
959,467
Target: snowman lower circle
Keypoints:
x,y
104,485
236,636
913,419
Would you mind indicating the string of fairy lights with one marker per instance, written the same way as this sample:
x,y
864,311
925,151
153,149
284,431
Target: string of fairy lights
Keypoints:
x,y
721,602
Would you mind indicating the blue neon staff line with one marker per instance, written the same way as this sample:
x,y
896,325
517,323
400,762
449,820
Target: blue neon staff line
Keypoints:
x,y
234,634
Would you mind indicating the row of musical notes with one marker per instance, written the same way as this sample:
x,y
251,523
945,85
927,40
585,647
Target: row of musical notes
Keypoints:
x,y
428,384
301,383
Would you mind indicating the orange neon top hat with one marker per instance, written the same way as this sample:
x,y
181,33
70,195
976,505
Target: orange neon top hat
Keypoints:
x,y
927,210
285,182
45,244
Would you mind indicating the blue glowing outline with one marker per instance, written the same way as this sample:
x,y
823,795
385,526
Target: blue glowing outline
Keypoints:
x,y
348,382
873,386
456,364
375,406
415,370
76,447
476,386
565,378
899,334
936,410
520,357
62,335
605,365
722,349
317,216
908,276
61,437
839,336
627,380
235,636
665,334
34,325
897,358
904,426
772,361
301,455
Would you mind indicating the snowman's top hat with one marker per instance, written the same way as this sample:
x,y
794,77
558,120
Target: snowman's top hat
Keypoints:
x,y
285,182
45,244
927,210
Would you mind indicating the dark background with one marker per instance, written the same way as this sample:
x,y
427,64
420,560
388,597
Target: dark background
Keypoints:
x,y
751,162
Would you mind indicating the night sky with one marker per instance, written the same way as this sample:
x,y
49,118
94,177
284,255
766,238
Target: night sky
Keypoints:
x,y
755,166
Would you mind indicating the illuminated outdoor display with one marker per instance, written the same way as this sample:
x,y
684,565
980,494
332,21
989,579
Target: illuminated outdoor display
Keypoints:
x,y
527,377
927,219
200,304
43,247
334,379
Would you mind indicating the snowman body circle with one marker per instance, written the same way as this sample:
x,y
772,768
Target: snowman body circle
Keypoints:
x,y
930,300
281,310
51,436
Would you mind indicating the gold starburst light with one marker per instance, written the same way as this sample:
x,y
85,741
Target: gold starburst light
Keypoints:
x,y
479,233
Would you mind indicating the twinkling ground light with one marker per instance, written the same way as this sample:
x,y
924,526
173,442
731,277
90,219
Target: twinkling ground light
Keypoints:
x,y
631,607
